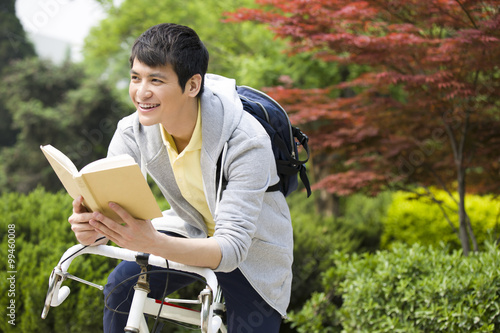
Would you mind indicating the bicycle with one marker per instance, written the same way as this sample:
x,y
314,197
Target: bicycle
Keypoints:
x,y
208,318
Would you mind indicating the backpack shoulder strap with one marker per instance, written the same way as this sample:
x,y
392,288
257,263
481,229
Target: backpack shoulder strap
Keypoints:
x,y
220,180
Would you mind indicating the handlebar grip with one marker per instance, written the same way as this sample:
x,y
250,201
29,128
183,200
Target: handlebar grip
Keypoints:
x,y
60,296
216,323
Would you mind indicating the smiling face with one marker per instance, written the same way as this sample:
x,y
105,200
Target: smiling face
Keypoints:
x,y
159,99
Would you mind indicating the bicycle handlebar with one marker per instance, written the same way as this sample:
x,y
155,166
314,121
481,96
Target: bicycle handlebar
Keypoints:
x,y
57,294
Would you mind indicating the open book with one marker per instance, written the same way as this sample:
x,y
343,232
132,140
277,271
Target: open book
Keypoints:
x,y
118,179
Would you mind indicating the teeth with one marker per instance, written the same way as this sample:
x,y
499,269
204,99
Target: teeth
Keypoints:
x,y
148,106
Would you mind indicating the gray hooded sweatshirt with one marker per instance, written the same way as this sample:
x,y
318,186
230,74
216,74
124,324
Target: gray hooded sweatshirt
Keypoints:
x,y
252,227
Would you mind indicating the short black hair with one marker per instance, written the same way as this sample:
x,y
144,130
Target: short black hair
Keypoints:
x,y
173,44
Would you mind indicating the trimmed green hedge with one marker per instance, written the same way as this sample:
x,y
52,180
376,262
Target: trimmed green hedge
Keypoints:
x,y
417,289
42,234
421,221
316,237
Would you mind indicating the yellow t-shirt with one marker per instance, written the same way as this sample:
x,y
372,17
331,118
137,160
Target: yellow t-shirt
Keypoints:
x,y
187,171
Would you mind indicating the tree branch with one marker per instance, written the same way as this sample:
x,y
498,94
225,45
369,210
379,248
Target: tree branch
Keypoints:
x,y
453,141
467,13
471,233
443,185
440,205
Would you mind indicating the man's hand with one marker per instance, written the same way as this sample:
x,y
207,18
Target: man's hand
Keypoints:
x,y
79,220
129,233
141,236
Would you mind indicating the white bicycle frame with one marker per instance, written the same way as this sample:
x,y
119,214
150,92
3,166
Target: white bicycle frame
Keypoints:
x,y
141,304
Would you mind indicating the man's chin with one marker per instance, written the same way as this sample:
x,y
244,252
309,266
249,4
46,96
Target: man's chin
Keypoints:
x,y
147,121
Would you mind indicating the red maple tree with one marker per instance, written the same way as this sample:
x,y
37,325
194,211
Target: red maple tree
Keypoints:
x,y
424,111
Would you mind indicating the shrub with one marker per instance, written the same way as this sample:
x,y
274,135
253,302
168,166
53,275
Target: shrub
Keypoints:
x,y
411,220
317,237
42,235
365,215
417,289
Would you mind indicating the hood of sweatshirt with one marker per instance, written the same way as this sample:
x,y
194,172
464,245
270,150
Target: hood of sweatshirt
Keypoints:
x,y
221,113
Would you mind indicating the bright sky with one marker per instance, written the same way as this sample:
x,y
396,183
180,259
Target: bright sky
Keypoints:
x,y
69,20
65,20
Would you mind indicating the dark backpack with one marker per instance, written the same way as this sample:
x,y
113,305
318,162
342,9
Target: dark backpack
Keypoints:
x,y
285,139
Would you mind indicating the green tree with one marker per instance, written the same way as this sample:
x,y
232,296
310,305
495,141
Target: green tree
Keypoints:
x,y
425,113
244,51
13,41
13,45
240,51
57,105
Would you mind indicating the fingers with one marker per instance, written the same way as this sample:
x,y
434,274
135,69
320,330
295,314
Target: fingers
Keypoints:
x,y
123,234
107,227
80,213
81,227
122,213
78,206
103,229
87,237
85,233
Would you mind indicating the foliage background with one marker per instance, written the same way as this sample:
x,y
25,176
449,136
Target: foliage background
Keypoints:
x,y
408,289
411,219
42,236
351,248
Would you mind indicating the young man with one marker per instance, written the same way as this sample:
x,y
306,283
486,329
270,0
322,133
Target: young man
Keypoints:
x,y
184,121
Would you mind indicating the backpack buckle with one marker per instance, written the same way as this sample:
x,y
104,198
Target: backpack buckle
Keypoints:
x,y
301,136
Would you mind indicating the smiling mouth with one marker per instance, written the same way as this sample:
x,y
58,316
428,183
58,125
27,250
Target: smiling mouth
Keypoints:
x,y
148,106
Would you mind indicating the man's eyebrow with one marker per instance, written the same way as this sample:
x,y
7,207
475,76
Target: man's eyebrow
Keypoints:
x,y
159,75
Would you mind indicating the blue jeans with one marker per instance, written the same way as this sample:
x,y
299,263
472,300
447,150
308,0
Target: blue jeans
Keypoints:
x,y
246,311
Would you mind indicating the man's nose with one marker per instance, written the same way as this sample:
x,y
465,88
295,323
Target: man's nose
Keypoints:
x,y
144,92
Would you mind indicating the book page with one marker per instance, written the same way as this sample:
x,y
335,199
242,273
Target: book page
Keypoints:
x,y
108,163
64,169
53,153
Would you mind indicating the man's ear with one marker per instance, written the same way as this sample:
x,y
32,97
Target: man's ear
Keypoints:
x,y
193,85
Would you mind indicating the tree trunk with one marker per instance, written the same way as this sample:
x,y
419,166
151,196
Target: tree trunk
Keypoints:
x,y
463,233
465,229
461,123
327,204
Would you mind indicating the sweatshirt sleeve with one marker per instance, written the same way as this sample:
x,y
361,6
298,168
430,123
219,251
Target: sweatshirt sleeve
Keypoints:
x,y
248,173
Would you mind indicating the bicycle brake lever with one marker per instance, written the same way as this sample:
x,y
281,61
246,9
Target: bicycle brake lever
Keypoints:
x,y
54,280
76,278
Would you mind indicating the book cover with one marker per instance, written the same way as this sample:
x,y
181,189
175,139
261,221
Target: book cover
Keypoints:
x,y
117,179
